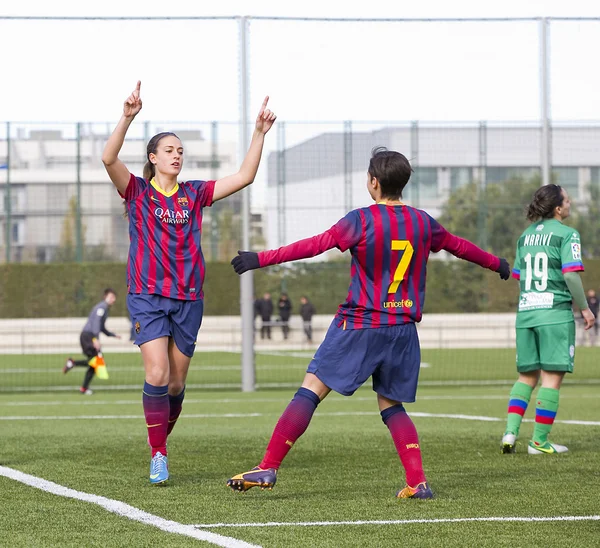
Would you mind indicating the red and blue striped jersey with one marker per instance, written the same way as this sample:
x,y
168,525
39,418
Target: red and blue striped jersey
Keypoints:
x,y
390,246
165,256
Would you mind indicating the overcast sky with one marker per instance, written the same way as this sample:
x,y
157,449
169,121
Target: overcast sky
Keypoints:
x,y
323,71
313,71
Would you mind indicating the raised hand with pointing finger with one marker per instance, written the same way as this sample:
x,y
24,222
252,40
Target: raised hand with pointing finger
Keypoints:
x,y
233,183
265,118
133,103
168,276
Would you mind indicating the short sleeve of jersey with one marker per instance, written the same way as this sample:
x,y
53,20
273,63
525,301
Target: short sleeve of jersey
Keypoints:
x,y
570,253
134,188
438,235
347,231
205,190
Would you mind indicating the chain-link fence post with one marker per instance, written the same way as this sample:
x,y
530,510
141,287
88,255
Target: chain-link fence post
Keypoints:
x,y
546,158
246,280
78,223
7,197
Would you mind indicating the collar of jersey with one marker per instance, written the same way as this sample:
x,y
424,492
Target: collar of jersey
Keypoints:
x,y
167,194
383,202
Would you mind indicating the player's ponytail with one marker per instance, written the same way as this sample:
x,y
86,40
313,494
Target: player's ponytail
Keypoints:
x,y
149,169
545,200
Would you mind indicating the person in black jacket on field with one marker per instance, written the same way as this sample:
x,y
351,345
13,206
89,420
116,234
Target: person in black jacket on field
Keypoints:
x,y
307,311
264,309
285,311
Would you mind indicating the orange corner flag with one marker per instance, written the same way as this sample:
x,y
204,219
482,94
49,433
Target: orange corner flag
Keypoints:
x,y
99,365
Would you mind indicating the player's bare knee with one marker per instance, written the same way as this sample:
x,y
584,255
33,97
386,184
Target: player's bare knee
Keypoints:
x,y
530,378
552,379
176,387
385,403
314,384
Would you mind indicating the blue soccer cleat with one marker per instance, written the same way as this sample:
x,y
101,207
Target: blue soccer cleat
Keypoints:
x,y
257,477
159,468
421,491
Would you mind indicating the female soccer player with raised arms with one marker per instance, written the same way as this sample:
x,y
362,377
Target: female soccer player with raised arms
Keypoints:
x,y
165,269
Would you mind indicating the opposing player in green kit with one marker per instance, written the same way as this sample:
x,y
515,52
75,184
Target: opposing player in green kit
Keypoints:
x,y
547,264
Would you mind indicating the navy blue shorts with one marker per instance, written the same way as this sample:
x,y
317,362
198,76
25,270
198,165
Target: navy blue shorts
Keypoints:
x,y
155,316
391,355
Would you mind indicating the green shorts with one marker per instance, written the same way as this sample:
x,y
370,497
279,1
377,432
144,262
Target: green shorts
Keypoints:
x,y
546,347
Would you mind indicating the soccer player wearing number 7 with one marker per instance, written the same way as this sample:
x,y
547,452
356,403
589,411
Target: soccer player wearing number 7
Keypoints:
x,y
547,264
373,333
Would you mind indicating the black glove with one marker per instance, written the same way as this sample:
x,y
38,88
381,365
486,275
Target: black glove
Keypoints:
x,y
246,260
504,269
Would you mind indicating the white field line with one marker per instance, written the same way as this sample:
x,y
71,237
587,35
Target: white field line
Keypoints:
x,y
140,368
305,354
334,399
121,387
259,386
254,415
398,521
125,510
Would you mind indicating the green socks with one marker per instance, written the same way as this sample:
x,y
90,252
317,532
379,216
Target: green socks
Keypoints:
x,y
517,405
545,413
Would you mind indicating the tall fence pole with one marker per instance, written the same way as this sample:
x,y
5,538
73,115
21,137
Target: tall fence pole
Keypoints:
x,y
482,211
78,226
414,160
347,166
281,182
7,197
214,214
247,279
546,147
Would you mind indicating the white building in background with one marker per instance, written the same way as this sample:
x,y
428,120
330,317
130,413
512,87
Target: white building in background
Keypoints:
x,y
314,183
43,178
310,185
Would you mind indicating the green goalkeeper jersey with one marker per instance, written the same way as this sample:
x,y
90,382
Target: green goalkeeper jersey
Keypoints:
x,y
545,252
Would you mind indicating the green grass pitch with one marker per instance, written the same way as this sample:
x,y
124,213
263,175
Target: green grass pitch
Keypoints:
x,y
344,469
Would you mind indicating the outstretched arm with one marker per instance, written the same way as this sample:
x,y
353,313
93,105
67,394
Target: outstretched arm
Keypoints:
x,y
229,185
117,170
302,249
464,249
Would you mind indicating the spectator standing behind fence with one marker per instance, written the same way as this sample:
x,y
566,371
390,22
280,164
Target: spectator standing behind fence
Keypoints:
x,y
307,311
90,338
285,311
255,307
264,308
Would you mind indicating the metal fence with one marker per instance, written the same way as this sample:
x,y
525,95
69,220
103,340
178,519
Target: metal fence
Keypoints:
x,y
57,205
524,88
